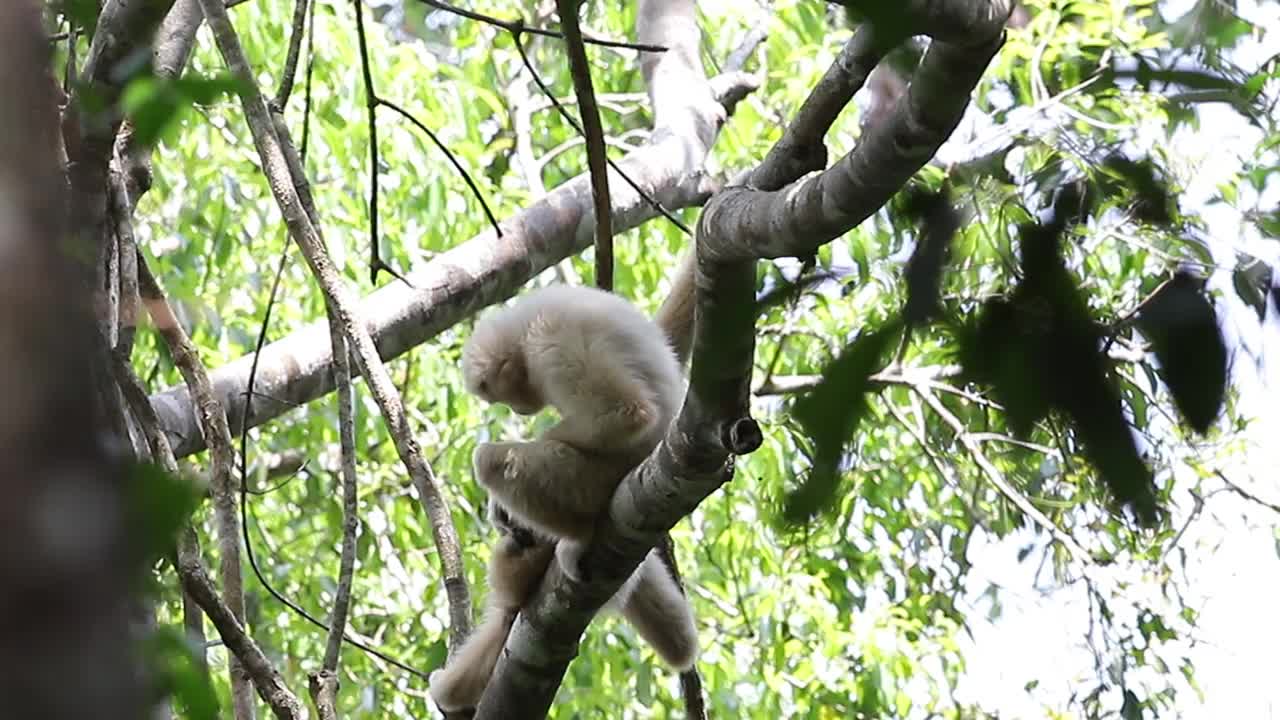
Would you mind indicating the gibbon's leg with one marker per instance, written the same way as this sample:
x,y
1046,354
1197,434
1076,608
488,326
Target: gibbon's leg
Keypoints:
x,y
514,572
661,614
548,485
460,683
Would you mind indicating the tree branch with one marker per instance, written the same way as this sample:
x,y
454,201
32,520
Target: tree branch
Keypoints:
x,y
213,421
266,679
593,134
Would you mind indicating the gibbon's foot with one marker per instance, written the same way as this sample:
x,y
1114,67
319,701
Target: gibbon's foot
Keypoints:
x,y
496,464
569,554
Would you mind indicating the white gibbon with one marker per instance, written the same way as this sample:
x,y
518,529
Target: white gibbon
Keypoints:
x,y
612,375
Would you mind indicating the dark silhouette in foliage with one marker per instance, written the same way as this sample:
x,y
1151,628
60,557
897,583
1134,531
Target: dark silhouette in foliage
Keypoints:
x,y
1180,323
831,413
1040,350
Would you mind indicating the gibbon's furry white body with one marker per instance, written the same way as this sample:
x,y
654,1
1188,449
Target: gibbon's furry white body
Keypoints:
x,y
613,377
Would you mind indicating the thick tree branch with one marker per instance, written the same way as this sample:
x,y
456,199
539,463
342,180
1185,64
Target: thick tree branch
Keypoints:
x,y
746,223
528,673
714,425
67,568
801,150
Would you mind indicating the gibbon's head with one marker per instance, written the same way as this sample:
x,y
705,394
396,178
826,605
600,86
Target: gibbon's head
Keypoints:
x,y
493,365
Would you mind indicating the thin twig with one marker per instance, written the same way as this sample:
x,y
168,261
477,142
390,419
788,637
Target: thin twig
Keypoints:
x,y
300,13
1273,507
517,26
695,705
537,79
306,92
1020,501
593,133
453,160
371,107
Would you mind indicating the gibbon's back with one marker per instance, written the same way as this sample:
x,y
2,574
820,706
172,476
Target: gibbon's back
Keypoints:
x,y
608,329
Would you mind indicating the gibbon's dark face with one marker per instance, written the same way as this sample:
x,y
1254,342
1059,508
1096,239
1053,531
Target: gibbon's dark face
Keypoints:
x,y
511,385
503,380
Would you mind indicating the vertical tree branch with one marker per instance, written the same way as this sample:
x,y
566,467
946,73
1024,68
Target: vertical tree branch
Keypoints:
x,y
593,133
350,520
213,421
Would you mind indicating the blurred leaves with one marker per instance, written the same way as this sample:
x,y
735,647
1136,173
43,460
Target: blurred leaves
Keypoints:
x,y
830,414
1180,322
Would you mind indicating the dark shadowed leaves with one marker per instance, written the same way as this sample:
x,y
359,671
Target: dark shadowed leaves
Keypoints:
x,y
1144,184
153,103
158,505
999,349
1040,350
939,222
180,675
1183,329
829,415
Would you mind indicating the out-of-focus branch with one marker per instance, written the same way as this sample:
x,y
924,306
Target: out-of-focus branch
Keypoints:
x,y
67,569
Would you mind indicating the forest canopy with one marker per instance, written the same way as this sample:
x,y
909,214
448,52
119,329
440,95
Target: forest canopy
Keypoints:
x,y
980,408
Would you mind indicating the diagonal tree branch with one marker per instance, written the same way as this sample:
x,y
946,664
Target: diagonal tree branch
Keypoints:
x,y
213,420
593,134
714,425
190,567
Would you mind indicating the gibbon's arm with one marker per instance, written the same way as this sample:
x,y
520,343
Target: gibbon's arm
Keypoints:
x,y
675,315
550,486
